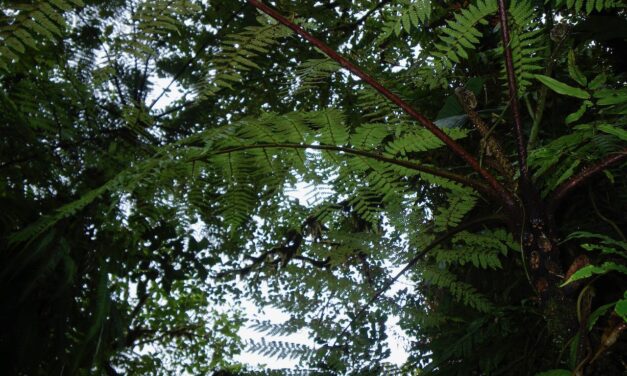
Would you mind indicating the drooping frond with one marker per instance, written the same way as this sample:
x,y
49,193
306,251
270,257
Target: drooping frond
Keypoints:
x,y
460,202
273,329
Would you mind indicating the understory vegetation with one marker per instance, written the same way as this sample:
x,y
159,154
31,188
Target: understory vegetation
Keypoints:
x,y
460,168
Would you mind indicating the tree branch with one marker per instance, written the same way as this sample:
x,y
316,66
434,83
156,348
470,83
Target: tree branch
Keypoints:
x,y
505,197
479,186
582,177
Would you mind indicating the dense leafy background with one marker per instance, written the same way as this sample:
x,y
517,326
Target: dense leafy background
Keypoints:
x,y
129,215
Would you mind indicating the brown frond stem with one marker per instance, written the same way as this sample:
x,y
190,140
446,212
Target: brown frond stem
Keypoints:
x,y
479,186
582,177
501,193
513,95
439,240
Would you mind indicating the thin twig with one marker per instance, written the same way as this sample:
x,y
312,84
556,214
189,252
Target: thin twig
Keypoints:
x,y
505,197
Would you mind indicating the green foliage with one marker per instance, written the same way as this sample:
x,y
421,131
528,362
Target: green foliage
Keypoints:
x,y
590,270
462,34
590,5
527,44
461,291
132,230
562,88
609,248
280,349
25,25
237,55
406,15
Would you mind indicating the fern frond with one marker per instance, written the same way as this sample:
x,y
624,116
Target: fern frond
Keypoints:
x,y
330,126
560,159
314,72
462,35
377,109
459,204
28,25
462,292
459,37
370,136
237,55
420,140
406,15
380,178
482,250
273,329
280,349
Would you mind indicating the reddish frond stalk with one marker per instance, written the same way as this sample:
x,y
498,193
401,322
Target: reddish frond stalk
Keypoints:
x,y
582,177
505,197
513,94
